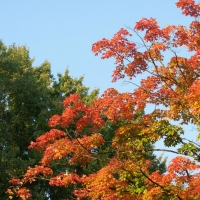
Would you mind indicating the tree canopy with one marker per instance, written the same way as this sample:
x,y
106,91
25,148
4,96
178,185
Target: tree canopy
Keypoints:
x,y
29,96
107,146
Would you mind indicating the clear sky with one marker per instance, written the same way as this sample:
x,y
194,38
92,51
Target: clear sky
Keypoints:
x,y
63,31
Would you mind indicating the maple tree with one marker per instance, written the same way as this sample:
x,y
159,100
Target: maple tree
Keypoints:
x,y
173,88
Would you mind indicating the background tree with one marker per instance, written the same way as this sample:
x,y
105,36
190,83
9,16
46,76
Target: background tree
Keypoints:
x,y
29,96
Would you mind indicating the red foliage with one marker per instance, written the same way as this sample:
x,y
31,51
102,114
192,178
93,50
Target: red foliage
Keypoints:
x,y
173,86
64,179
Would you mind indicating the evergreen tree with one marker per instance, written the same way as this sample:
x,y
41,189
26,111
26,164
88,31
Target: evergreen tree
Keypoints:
x,y
28,97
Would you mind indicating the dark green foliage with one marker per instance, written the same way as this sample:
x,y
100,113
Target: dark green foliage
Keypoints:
x,y
29,96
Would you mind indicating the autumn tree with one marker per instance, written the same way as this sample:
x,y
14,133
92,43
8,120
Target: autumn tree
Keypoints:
x,y
171,86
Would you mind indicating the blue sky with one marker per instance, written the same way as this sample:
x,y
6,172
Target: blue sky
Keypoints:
x,y
63,31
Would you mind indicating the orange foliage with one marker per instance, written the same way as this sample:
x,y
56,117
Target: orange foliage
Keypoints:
x,y
173,86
